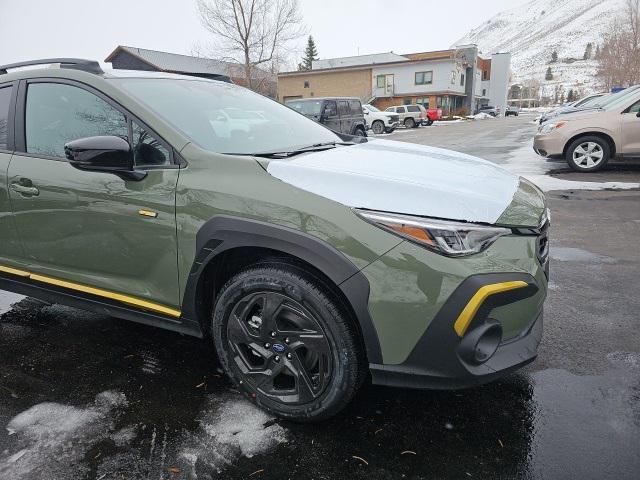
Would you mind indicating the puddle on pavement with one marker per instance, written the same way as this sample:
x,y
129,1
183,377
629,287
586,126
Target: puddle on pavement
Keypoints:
x,y
187,422
571,254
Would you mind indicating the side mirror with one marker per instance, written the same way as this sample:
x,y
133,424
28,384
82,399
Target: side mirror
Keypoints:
x,y
107,154
638,114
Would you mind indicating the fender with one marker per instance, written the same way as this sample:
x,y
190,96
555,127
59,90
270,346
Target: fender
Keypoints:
x,y
224,232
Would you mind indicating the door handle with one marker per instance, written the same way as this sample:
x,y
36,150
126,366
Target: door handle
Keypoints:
x,y
25,190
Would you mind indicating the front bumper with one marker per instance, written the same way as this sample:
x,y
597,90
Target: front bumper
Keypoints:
x,y
441,359
548,145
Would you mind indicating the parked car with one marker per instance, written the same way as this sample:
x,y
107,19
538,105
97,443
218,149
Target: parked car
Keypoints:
x,y
590,101
489,110
378,121
340,114
276,242
512,110
412,116
591,138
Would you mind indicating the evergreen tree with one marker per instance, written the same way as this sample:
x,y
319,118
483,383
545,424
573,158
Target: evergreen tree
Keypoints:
x,y
570,95
588,51
554,57
310,54
549,74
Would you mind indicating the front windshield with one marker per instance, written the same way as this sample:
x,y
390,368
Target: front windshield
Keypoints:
x,y
306,107
593,101
371,108
226,118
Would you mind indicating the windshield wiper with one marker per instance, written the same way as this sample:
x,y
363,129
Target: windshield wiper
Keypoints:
x,y
316,147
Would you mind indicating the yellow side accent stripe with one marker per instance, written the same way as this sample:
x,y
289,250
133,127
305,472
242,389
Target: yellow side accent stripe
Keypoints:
x,y
470,310
14,271
136,302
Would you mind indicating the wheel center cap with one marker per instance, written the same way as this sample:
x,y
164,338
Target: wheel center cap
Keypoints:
x,y
278,347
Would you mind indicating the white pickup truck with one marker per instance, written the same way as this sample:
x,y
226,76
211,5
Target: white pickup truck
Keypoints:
x,y
378,121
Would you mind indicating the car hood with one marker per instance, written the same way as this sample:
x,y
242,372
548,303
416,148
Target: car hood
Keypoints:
x,y
416,180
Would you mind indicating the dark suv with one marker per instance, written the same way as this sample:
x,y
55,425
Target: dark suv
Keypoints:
x,y
340,114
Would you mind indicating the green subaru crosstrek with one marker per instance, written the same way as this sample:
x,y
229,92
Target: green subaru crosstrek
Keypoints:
x,y
311,260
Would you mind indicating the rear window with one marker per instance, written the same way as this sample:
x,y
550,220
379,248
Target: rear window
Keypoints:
x,y
5,98
413,108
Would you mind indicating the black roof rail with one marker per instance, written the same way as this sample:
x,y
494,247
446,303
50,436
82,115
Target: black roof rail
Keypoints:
x,y
90,66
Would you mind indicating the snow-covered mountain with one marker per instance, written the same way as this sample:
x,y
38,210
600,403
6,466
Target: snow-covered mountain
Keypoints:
x,y
531,32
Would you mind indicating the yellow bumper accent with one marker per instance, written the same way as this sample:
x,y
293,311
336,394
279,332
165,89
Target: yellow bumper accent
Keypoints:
x,y
136,302
470,310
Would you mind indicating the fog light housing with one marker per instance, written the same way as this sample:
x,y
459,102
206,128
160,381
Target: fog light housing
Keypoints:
x,y
479,344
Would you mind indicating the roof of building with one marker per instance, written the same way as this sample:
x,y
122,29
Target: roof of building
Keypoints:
x,y
358,60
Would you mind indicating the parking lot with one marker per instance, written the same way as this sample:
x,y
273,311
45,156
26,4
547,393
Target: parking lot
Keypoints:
x,y
83,396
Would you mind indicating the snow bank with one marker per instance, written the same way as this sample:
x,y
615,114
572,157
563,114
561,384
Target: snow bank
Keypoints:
x,y
480,116
230,427
51,439
7,299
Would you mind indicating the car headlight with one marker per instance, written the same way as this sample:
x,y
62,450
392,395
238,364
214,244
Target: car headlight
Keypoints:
x,y
550,127
442,236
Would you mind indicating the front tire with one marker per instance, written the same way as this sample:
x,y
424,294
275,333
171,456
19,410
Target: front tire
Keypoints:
x,y
588,154
283,338
378,127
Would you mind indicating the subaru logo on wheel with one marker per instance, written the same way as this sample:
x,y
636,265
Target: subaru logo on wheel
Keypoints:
x,y
278,348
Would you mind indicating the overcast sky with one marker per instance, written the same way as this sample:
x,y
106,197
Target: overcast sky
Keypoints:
x,y
93,28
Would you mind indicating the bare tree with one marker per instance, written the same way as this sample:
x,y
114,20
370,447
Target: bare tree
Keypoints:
x,y
252,33
619,54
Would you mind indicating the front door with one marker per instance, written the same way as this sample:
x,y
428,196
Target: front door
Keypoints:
x,y
330,116
630,131
92,228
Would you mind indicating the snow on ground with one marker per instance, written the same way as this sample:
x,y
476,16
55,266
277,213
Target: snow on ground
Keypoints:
x,y
51,439
7,299
230,427
525,162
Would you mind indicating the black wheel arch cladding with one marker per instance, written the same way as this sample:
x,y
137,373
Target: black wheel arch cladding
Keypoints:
x,y
225,232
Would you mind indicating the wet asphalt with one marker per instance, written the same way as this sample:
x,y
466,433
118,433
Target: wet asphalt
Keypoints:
x,y
83,396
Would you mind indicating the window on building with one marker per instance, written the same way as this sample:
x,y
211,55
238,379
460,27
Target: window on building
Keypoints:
x,y
424,78
306,84
57,114
406,101
424,101
485,75
5,98
453,77
381,81
462,79
484,92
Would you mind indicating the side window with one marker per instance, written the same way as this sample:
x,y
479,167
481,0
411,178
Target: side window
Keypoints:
x,y
343,107
147,150
57,113
413,108
330,109
400,109
356,107
5,98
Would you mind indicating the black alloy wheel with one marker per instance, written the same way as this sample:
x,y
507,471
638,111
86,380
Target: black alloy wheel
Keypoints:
x,y
279,347
285,339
